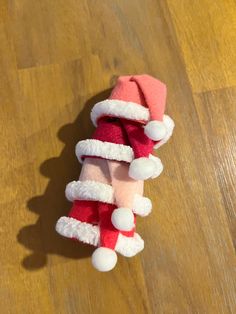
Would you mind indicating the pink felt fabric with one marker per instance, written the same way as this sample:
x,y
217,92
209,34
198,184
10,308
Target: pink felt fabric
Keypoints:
x,y
125,188
154,93
95,169
143,90
114,173
126,89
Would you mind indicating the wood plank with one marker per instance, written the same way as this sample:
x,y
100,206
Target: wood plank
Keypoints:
x,y
192,228
206,31
217,117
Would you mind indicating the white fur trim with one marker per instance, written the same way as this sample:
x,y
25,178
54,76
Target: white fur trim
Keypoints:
x,y
90,190
119,108
129,246
169,124
131,111
97,191
142,205
72,228
105,150
87,233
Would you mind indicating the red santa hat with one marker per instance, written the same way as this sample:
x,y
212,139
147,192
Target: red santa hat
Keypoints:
x,y
142,99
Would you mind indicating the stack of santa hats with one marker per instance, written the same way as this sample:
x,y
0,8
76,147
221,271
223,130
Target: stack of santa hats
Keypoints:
x,y
130,124
140,99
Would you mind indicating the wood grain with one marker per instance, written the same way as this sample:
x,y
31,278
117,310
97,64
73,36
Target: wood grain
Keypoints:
x,y
57,59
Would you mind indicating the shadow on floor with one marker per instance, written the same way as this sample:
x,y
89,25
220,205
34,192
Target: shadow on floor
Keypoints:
x,y
42,238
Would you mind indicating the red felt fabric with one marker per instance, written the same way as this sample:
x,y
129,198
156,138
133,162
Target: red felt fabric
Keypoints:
x,y
141,144
126,132
99,213
110,130
85,211
108,234
140,89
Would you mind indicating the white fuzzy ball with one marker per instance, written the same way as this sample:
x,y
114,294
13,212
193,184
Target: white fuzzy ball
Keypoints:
x,y
123,219
104,259
158,166
155,130
142,168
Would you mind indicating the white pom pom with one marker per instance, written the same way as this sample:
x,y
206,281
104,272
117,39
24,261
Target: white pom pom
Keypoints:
x,y
123,219
155,130
158,166
142,168
169,123
104,259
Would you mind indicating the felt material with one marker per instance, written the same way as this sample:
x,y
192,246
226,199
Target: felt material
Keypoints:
x,y
125,132
87,233
98,213
139,90
108,233
104,183
124,187
144,90
84,211
95,169
116,174
126,89
141,144
111,130
154,93
97,191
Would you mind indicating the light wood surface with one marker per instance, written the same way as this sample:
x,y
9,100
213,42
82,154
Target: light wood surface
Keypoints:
x,y
57,59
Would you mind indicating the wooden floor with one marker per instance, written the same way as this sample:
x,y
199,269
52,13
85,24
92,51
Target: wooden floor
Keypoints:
x,y
57,59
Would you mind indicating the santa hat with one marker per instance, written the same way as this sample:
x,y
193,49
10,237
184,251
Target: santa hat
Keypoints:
x,y
139,98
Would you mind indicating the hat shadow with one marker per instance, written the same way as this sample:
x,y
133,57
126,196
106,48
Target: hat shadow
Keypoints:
x,y
41,238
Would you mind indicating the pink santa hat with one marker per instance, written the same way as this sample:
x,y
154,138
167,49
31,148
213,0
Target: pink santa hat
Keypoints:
x,y
148,92
139,98
142,99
